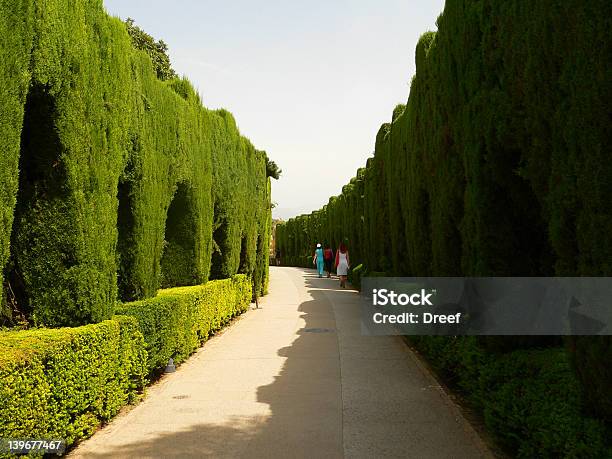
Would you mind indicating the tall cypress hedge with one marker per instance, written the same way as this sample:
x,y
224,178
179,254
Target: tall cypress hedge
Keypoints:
x,y
241,219
500,150
71,151
498,165
110,176
16,30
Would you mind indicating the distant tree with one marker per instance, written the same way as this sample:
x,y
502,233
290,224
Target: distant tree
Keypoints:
x,y
272,170
398,111
157,50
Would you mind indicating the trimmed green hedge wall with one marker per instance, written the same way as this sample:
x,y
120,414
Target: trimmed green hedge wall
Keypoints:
x,y
497,165
73,86
178,320
242,218
14,83
531,399
120,175
61,383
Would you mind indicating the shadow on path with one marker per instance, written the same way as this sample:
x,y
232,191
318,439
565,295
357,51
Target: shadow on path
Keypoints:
x,y
335,392
304,415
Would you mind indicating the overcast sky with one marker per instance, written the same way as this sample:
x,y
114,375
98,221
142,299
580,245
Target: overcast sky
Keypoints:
x,y
309,82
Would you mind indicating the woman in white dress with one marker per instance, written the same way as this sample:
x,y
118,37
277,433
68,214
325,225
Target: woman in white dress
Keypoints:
x,y
342,264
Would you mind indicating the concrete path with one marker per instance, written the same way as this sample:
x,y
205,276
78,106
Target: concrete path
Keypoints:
x,y
294,379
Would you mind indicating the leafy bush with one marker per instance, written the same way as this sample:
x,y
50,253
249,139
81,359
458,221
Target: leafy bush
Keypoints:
x,y
62,383
355,274
532,403
531,400
594,373
178,320
272,170
157,50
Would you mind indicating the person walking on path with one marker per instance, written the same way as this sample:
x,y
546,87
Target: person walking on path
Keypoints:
x,y
317,259
328,255
343,264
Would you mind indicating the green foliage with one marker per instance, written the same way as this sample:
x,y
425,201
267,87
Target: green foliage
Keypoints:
x,y
73,90
165,188
531,400
64,383
156,50
17,31
272,169
355,275
588,356
178,320
177,263
242,221
532,403
114,195
107,172
397,111
495,154
496,166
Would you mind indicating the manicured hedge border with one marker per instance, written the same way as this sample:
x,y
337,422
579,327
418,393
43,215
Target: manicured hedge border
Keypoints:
x,y
178,320
63,383
531,400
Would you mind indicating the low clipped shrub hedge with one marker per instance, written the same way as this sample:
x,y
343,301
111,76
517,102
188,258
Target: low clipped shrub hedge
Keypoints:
x,y
595,376
531,400
62,383
178,320
355,274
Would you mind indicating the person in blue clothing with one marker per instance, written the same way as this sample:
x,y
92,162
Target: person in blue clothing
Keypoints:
x,y
318,260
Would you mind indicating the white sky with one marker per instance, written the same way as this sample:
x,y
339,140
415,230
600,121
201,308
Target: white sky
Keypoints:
x,y
309,82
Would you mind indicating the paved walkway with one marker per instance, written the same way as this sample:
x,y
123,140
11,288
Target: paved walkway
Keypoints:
x,y
270,387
